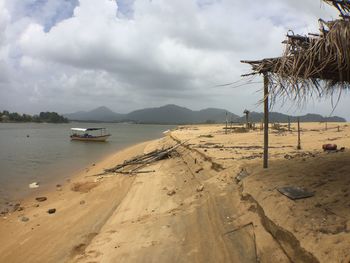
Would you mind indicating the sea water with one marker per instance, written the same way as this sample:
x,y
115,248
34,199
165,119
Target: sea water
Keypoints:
x,y
44,153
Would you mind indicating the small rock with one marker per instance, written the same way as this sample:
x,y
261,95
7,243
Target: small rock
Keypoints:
x,y
36,205
41,199
5,211
171,192
24,219
93,164
51,210
82,202
200,188
58,185
34,185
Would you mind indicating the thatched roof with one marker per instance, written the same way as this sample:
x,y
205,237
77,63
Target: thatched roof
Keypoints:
x,y
316,64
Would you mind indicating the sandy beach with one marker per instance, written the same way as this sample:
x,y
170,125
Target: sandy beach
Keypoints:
x,y
192,208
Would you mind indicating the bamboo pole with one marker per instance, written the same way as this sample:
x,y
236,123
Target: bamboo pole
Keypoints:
x,y
299,144
266,120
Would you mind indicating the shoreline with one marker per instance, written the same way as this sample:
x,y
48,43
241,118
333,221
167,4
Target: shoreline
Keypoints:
x,y
72,175
161,215
42,153
34,217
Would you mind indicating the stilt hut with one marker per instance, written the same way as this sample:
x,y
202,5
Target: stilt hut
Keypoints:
x,y
314,65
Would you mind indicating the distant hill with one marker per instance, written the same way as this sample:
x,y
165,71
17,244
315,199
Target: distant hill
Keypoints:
x,y
168,114
173,114
280,117
98,114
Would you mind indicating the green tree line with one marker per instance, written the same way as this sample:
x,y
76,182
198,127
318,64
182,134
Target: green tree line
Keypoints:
x,y
52,117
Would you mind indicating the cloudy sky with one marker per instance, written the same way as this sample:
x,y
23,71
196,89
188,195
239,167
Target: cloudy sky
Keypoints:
x,y
70,55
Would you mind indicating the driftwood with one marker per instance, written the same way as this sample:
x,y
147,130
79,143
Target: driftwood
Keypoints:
x,y
136,163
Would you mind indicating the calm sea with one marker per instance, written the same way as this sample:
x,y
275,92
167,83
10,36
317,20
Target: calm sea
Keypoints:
x,y
41,152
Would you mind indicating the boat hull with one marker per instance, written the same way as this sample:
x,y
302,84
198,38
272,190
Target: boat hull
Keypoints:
x,y
102,138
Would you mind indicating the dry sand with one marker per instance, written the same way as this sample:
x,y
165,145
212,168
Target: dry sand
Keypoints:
x,y
191,209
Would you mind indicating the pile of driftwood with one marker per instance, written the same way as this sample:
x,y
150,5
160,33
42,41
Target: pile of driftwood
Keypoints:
x,y
133,165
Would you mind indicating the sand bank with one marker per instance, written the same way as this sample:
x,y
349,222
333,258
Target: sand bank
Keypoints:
x,y
191,209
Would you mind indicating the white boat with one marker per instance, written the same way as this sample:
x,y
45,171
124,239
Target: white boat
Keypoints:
x,y
89,134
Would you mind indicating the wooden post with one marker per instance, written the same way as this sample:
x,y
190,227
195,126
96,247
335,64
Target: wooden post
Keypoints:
x,y
288,123
299,144
338,128
326,126
266,120
226,124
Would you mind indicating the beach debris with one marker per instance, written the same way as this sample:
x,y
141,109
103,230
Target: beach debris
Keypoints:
x,y
51,211
242,174
216,166
41,199
200,169
82,202
171,192
4,212
329,147
58,185
200,188
295,192
34,185
17,207
206,136
134,164
24,219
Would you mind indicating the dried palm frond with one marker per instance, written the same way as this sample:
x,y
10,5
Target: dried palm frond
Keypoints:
x,y
314,65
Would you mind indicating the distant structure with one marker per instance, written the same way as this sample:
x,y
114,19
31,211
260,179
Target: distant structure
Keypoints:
x,y
246,112
313,65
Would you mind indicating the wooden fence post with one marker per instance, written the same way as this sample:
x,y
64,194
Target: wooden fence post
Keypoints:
x,y
288,123
266,120
299,144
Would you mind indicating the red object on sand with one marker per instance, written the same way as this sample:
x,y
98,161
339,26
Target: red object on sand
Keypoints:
x,y
329,147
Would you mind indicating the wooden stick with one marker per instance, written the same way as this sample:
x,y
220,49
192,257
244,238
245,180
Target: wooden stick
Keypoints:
x,y
299,144
266,120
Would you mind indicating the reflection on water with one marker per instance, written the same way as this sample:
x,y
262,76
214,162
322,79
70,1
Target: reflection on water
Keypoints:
x,y
43,152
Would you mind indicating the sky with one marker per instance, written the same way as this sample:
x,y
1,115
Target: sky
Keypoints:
x,y
72,55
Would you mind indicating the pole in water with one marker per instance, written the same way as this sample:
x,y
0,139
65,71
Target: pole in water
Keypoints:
x,y
299,144
266,120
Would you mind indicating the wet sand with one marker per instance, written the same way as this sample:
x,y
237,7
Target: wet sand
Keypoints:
x,y
191,209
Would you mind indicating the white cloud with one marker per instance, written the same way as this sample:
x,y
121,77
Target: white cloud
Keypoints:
x,y
160,52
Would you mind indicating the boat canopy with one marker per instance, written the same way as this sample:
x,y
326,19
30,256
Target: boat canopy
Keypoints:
x,y
87,129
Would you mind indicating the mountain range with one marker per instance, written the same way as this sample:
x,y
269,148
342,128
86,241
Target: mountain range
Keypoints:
x,y
173,114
